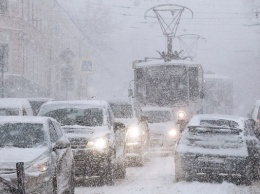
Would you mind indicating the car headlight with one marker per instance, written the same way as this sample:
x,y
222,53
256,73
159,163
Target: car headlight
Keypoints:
x,y
181,115
172,133
40,166
99,143
134,132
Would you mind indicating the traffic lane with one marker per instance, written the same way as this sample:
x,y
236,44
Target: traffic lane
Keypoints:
x,y
157,177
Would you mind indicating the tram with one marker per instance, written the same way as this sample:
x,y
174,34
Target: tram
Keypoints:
x,y
172,80
177,84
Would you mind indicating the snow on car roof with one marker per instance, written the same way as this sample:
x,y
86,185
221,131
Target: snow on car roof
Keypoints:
x,y
23,119
155,108
53,105
215,76
162,62
14,102
98,103
195,120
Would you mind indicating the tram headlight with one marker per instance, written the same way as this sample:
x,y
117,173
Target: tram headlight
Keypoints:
x,y
181,115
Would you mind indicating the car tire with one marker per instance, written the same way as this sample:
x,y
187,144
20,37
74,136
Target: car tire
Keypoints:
x,y
179,174
72,182
121,171
141,160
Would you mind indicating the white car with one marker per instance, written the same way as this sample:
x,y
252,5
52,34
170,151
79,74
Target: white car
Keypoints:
x,y
164,132
41,145
15,107
137,138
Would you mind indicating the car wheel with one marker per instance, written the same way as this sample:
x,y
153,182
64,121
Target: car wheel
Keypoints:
x,y
121,171
179,174
141,160
72,182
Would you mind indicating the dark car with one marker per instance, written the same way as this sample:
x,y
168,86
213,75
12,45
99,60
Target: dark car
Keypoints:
x,y
97,144
41,145
217,146
137,135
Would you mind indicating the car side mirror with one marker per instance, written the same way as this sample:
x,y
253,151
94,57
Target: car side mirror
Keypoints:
x,y
118,126
61,144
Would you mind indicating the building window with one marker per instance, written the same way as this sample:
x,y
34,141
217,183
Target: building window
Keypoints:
x,y
3,6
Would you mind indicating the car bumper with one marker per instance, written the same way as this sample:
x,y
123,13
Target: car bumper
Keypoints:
x,y
162,146
133,149
221,166
90,163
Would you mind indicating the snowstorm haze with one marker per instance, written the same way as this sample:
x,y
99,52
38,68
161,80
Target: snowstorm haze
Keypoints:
x,y
122,35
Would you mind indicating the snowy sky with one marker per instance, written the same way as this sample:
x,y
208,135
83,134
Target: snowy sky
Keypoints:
x,y
232,47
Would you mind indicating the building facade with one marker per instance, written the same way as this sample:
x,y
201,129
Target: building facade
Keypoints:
x,y
41,44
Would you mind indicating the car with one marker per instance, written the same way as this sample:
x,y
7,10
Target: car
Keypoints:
x,y
218,146
15,107
95,138
255,115
164,132
137,135
44,149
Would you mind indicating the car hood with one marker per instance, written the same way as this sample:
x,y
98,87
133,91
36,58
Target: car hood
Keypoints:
x,y
76,131
10,156
127,122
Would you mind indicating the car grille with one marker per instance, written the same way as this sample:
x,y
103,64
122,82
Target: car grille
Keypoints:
x,y
78,143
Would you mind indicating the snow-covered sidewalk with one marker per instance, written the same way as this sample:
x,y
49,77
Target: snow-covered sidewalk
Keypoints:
x,y
157,177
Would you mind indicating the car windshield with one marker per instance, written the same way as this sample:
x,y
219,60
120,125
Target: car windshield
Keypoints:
x,y
9,111
78,116
122,110
22,135
158,116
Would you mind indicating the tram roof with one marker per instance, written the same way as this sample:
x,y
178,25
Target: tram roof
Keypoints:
x,y
155,63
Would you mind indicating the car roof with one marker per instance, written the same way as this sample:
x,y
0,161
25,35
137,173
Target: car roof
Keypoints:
x,y
53,105
92,103
155,108
23,119
195,120
14,102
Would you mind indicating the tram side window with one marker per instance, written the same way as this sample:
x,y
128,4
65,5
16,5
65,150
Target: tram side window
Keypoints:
x,y
194,83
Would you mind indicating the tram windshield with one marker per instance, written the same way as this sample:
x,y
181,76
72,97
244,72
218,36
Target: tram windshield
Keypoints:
x,y
168,85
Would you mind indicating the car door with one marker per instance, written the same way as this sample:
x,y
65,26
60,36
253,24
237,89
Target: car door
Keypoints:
x,y
64,158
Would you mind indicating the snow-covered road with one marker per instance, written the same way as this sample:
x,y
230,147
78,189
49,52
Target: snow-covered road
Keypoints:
x,y
157,177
